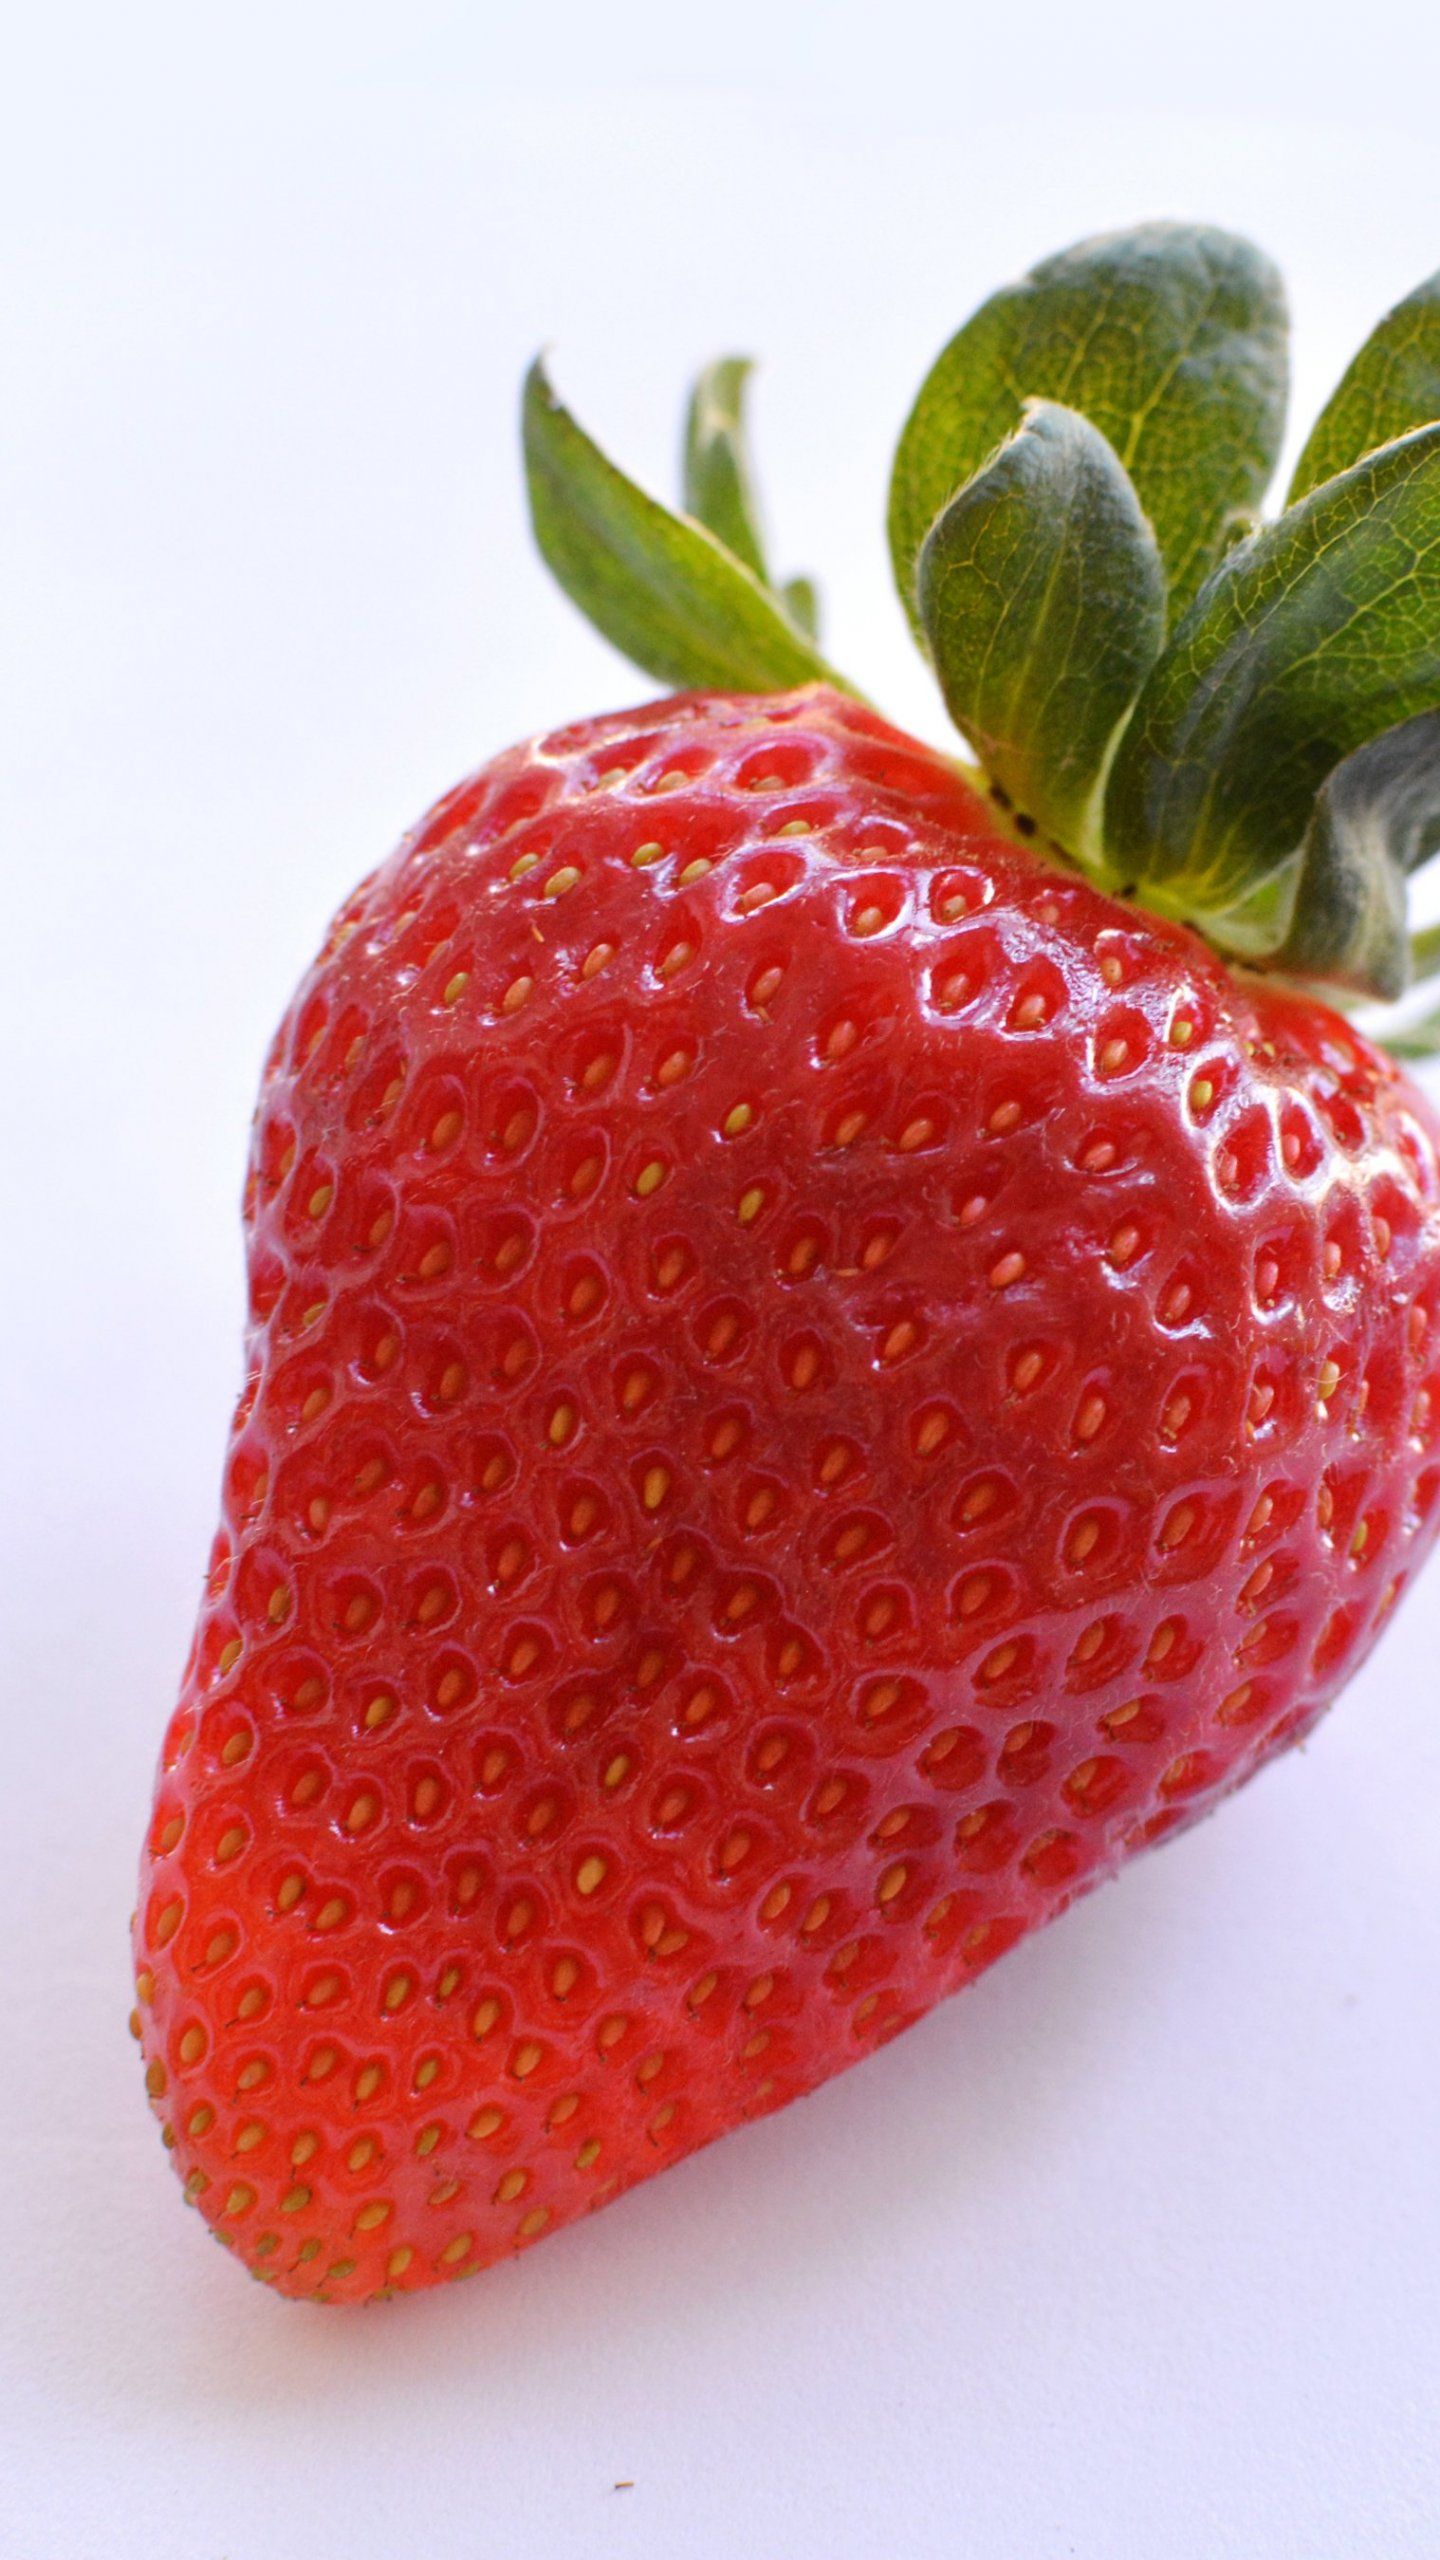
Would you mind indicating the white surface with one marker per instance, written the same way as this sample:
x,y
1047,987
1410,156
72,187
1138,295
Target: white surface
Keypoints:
x,y
1133,2252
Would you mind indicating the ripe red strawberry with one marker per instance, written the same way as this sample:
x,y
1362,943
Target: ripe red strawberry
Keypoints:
x,y
815,1380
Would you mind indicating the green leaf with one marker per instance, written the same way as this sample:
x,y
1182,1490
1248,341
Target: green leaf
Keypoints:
x,y
1310,639
719,487
1376,818
1425,952
659,587
801,599
1043,602
1171,340
1392,386
719,483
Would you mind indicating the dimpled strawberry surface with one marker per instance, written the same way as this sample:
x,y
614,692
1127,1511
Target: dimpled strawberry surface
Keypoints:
x,y
814,1382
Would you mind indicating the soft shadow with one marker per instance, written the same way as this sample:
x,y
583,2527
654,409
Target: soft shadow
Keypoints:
x,y
974,2093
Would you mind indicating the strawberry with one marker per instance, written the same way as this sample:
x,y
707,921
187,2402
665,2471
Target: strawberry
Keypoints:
x,y
838,1341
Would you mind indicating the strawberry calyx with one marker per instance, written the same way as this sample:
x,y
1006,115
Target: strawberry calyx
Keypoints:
x,y
668,590
1234,720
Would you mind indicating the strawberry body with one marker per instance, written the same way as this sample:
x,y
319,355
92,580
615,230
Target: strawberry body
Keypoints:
x,y
813,1384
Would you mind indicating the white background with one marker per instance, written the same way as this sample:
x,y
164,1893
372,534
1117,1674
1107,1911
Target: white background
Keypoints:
x,y
1134,2253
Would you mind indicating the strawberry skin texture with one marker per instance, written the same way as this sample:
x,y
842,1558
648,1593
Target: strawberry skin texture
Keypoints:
x,y
813,1383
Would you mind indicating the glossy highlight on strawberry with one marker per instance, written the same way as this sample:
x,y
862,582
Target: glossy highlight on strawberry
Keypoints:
x,y
814,1383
